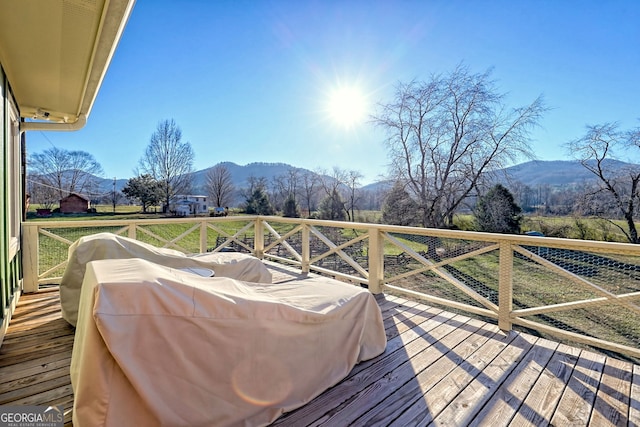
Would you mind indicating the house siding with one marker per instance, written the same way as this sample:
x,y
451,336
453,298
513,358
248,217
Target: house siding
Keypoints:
x,y
189,204
10,209
74,204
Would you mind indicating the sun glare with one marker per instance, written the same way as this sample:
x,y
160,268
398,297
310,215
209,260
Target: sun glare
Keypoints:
x,y
347,106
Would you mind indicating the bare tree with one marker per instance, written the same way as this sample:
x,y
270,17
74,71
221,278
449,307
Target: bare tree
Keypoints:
x,y
598,151
114,198
332,182
219,185
169,160
276,195
42,193
352,182
309,183
444,134
64,171
332,205
373,199
285,188
543,198
253,184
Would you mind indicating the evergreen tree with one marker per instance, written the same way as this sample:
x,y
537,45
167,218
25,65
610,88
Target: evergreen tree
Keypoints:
x,y
258,202
290,208
398,207
145,189
332,207
497,212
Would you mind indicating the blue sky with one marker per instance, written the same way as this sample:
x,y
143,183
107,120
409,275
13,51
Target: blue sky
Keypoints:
x,y
250,81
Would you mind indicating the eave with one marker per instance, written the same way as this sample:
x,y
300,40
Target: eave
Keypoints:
x,y
55,54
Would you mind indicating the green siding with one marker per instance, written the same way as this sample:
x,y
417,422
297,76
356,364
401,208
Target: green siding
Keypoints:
x,y
10,269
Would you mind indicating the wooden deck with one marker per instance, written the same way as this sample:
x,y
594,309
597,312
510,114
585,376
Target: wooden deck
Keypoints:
x,y
438,369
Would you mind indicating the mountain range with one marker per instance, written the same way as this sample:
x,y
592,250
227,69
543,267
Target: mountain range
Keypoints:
x,y
555,173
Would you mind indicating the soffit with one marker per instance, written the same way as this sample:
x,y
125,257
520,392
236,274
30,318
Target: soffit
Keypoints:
x,y
55,52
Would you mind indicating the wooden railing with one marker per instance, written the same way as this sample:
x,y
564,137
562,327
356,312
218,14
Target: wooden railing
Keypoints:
x,y
583,291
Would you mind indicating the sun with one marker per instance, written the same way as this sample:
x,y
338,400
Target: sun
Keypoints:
x,y
347,106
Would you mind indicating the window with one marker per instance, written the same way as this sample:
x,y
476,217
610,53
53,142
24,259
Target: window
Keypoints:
x,y
14,177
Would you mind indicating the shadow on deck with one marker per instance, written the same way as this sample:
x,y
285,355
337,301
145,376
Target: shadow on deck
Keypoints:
x,y
439,368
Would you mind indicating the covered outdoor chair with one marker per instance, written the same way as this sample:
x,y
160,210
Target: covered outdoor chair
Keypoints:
x,y
111,246
157,346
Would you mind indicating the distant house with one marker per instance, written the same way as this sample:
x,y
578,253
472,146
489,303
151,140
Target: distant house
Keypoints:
x,y
188,204
74,203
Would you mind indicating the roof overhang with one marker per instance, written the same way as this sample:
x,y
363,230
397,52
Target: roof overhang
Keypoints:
x,y
55,54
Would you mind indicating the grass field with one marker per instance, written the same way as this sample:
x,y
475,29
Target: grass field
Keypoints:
x,y
102,212
566,227
551,226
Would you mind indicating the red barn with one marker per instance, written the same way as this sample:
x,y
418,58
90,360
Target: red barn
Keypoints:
x,y
74,203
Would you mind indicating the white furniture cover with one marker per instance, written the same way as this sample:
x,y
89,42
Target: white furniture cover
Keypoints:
x,y
111,246
156,346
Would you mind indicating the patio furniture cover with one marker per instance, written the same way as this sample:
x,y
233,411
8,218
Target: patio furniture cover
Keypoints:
x,y
111,246
156,346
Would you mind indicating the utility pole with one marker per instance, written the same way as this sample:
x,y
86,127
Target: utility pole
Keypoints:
x,y
114,194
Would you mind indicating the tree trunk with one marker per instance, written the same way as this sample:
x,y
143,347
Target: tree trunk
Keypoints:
x,y
633,232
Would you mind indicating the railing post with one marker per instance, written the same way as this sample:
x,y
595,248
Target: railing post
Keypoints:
x,y
132,230
30,247
376,261
306,249
203,236
505,286
258,239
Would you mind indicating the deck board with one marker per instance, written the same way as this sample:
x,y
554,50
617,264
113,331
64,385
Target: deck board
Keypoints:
x,y
576,403
634,397
545,394
496,358
504,404
612,400
417,398
463,371
439,368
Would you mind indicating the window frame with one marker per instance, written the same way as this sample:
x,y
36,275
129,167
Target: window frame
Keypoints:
x,y
13,173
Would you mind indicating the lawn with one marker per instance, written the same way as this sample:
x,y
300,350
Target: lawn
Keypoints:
x,y
102,212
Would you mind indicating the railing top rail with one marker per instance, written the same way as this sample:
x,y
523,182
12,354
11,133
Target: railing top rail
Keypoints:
x,y
121,222
550,242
